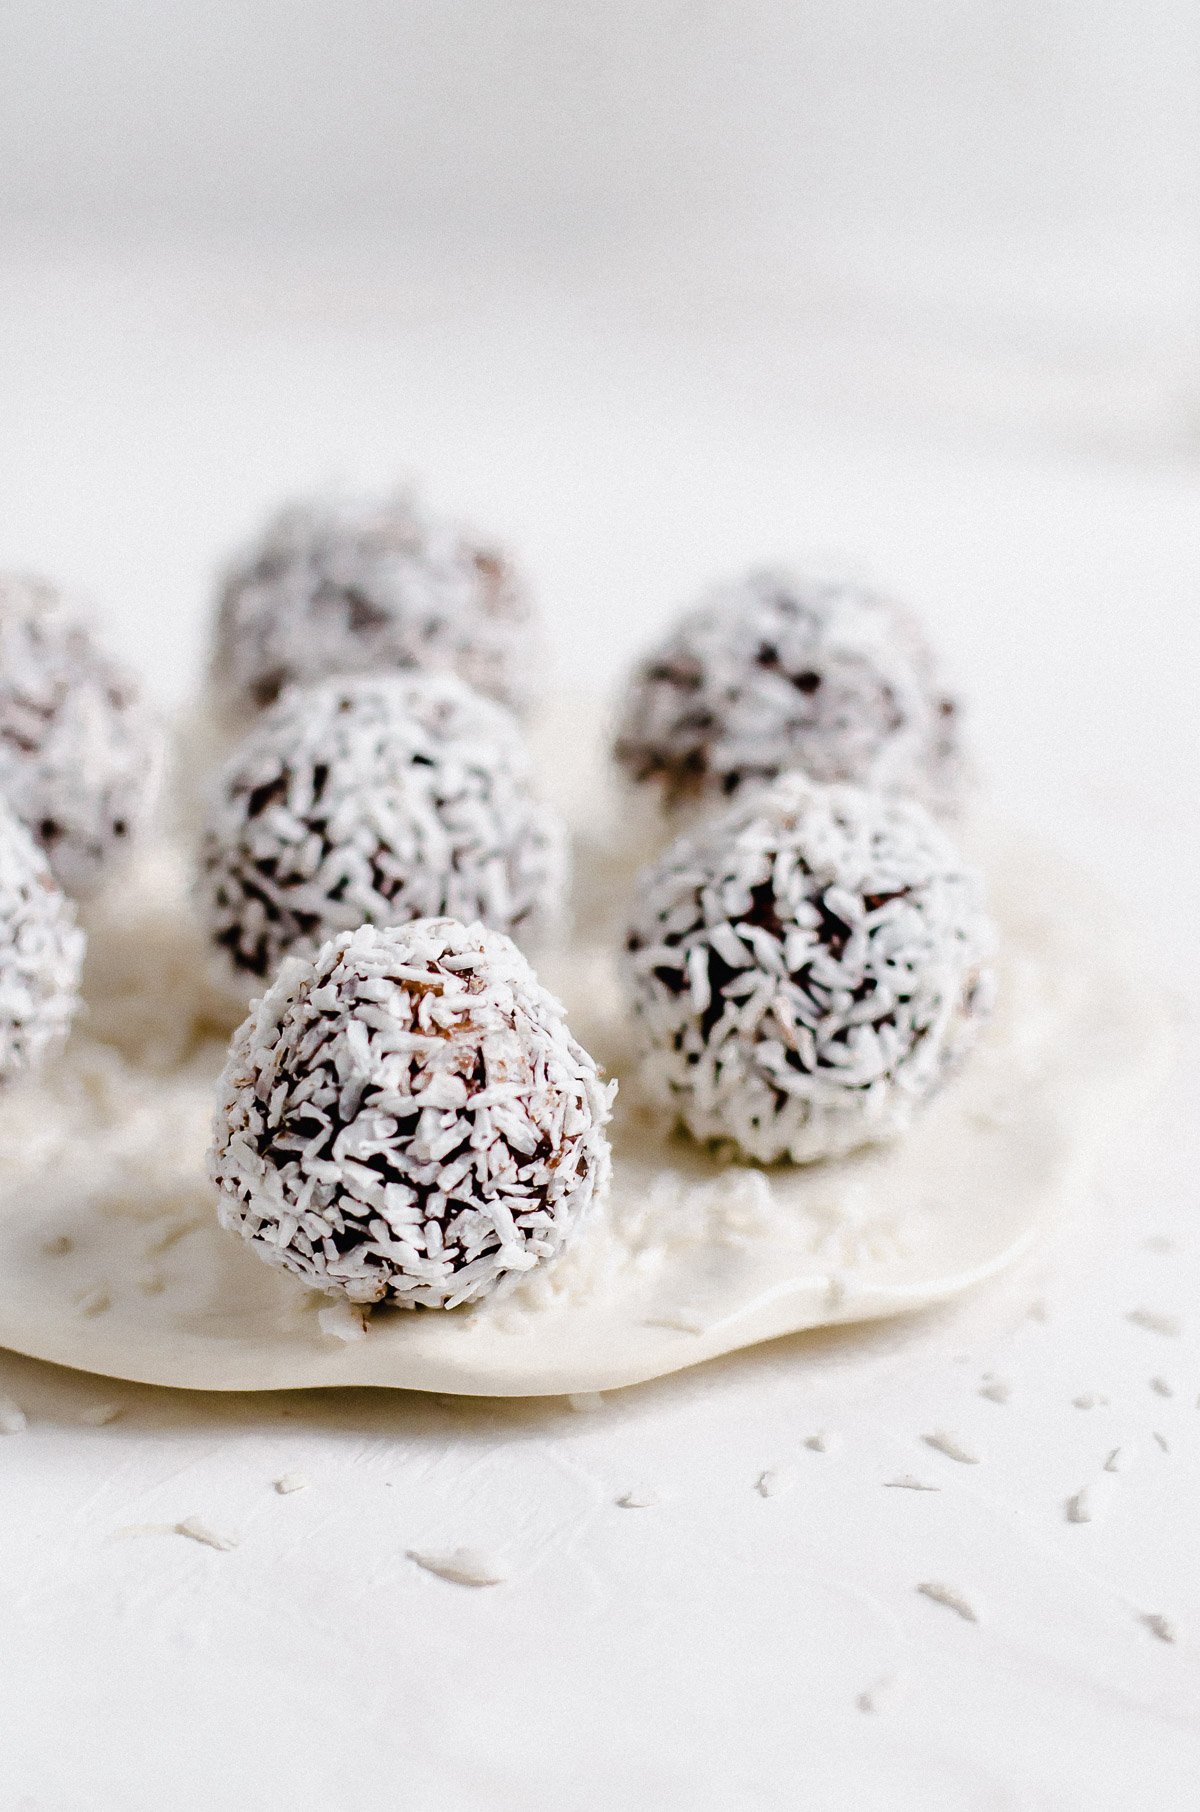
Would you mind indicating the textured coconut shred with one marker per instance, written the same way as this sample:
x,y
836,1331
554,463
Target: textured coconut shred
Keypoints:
x,y
373,801
806,970
409,1119
777,672
41,953
80,755
367,585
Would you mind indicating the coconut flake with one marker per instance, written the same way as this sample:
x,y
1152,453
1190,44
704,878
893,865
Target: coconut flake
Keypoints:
x,y
13,1419
289,1482
638,1499
342,1321
1156,1322
1160,1626
197,1531
951,1598
461,1566
100,1415
882,1694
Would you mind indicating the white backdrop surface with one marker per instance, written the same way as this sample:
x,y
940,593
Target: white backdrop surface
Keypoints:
x,y
654,292
715,1648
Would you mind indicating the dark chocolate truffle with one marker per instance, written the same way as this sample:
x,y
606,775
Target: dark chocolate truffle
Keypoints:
x,y
806,969
374,801
368,585
775,673
80,753
407,1119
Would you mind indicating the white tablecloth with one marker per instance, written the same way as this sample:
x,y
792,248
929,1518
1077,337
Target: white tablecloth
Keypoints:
x,y
719,1647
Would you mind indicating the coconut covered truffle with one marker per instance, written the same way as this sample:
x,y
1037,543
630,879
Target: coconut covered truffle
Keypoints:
x,y
776,673
374,801
41,953
806,969
364,586
407,1119
80,753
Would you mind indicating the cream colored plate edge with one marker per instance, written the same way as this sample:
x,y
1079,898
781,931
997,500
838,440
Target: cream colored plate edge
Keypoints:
x,y
111,1260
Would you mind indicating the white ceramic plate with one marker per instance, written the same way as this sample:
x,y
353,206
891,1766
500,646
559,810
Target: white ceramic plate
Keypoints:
x,y
111,1259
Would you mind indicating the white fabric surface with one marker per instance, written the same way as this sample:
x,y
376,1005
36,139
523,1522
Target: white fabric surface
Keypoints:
x,y
709,1650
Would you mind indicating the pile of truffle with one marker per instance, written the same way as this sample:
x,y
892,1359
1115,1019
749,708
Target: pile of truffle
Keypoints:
x,y
404,1115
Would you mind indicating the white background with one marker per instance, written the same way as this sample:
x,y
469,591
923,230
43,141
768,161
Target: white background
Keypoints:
x,y
653,291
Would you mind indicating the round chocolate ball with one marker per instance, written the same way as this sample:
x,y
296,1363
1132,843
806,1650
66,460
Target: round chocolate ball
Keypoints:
x,y
776,673
368,585
80,752
374,801
806,969
41,953
407,1119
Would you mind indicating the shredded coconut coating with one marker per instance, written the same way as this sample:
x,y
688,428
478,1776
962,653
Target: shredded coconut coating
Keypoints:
x,y
365,586
407,1119
80,753
776,673
372,802
41,953
806,969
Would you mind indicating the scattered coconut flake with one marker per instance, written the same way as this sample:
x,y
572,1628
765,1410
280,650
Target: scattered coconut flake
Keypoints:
x,y
1039,1310
342,1320
289,1482
906,1482
821,1442
637,1500
1159,1242
680,1321
951,1446
585,1402
13,1419
1089,1502
1118,1460
1161,1387
94,1302
195,1530
461,1566
1162,1441
99,1415
996,1391
882,1694
1160,1626
1156,1322
59,1246
775,1481
151,1283
952,1599
1091,1399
